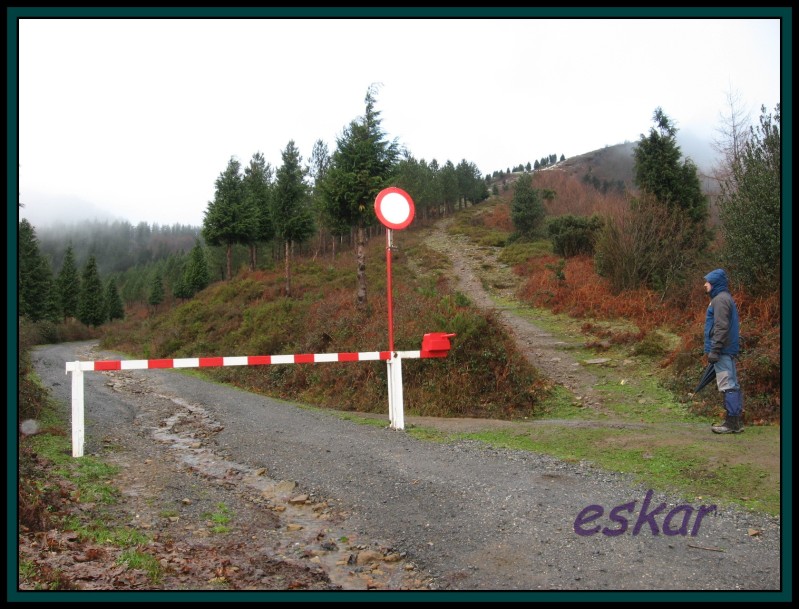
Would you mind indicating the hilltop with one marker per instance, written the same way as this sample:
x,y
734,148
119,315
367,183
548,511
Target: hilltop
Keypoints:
x,y
612,163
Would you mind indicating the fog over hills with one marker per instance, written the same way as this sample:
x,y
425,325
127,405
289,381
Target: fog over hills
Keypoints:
x,y
46,210
612,163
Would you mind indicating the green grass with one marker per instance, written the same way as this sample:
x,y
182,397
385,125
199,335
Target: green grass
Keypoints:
x,y
99,531
521,251
427,434
560,404
92,482
28,570
135,559
220,519
361,420
687,469
90,475
643,399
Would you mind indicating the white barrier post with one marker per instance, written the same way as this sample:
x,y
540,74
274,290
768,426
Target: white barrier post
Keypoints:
x,y
395,405
390,379
77,411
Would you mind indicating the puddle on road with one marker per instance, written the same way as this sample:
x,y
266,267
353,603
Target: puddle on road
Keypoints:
x,y
312,533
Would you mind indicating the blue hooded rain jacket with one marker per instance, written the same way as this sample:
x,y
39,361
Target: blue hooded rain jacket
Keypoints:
x,y
722,331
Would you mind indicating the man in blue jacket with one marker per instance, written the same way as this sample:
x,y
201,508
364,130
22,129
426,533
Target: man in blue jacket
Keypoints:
x,y
722,337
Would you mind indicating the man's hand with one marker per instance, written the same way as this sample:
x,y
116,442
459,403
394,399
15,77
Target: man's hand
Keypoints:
x,y
712,357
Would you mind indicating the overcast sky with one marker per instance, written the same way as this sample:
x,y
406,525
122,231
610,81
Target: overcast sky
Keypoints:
x,y
135,119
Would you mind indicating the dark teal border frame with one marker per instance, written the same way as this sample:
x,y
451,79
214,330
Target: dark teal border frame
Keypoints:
x,y
785,13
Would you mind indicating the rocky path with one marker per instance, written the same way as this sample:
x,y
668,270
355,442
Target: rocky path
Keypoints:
x,y
483,279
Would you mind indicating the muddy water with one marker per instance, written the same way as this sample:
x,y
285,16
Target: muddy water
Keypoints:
x,y
310,532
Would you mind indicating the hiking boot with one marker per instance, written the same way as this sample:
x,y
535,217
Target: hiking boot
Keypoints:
x,y
728,426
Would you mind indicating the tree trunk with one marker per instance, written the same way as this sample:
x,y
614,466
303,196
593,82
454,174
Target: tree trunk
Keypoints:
x,y
360,301
229,258
288,268
252,257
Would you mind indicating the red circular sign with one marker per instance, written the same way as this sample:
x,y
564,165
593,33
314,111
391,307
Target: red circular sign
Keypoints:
x,y
394,208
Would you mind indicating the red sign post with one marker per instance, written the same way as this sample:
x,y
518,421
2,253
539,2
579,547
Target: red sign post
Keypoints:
x,y
395,210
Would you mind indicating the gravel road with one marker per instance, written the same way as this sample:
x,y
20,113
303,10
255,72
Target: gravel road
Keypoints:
x,y
461,516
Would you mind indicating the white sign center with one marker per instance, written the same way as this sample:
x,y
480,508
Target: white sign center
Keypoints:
x,y
395,208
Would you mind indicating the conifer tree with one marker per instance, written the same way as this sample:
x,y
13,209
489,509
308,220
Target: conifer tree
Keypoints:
x,y
52,306
91,305
749,207
197,276
659,240
527,211
291,213
113,303
257,184
661,171
35,278
68,284
448,178
361,166
156,290
316,170
229,219
180,288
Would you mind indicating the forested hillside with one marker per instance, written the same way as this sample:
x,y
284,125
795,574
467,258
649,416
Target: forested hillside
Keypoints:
x,y
118,246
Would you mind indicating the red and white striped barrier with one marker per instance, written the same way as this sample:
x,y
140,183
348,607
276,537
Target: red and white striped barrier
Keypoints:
x,y
433,345
246,360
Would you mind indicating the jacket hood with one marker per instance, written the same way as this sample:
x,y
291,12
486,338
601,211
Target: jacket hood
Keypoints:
x,y
718,282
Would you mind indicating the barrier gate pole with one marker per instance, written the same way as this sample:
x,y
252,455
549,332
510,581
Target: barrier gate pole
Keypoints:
x,y
395,210
77,411
394,364
395,391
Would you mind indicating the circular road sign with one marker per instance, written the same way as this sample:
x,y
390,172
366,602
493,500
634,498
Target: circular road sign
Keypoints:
x,y
394,208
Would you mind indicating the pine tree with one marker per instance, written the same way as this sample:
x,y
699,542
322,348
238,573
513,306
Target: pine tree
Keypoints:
x,y
470,183
660,172
35,277
361,166
156,290
68,284
527,211
91,305
749,208
448,178
229,219
291,214
197,276
257,184
672,183
181,289
51,307
113,303
316,170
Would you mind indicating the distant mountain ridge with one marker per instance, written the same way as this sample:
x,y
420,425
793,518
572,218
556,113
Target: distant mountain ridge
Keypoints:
x,y
612,163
